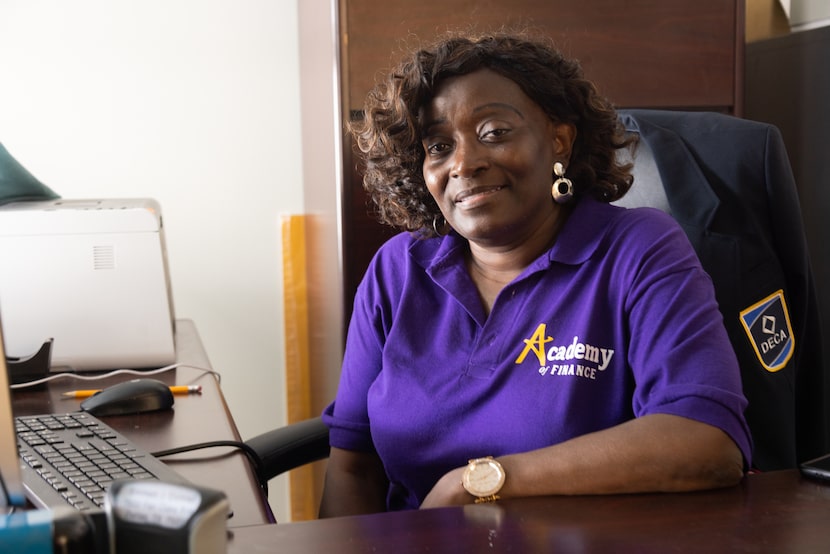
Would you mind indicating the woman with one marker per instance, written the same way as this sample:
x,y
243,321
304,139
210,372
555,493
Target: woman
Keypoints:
x,y
564,345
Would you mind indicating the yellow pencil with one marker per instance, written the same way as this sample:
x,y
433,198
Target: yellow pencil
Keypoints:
x,y
176,389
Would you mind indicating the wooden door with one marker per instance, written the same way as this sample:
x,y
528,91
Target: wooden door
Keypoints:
x,y
671,54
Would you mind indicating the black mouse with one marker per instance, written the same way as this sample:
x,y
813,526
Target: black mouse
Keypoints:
x,y
130,397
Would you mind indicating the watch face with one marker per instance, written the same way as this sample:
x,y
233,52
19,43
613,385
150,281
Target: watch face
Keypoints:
x,y
483,477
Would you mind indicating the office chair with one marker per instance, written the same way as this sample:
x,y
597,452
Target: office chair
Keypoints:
x,y
728,182
289,447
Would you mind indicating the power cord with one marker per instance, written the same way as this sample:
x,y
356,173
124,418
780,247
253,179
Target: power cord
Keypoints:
x,y
98,376
252,455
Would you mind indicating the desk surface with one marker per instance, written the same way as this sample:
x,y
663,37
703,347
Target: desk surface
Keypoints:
x,y
771,512
194,419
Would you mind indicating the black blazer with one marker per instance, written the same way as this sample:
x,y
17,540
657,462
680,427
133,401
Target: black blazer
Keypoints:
x,y
729,184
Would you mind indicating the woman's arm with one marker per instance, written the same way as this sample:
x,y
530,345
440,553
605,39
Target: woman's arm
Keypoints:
x,y
655,452
355,483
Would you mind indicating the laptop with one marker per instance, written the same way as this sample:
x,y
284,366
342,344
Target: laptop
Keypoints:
x,y
92,275
12,492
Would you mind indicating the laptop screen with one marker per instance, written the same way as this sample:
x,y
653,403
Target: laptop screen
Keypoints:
x,y
12,492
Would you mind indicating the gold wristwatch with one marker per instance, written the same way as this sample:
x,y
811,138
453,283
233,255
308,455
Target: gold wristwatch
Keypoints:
x,y
483,478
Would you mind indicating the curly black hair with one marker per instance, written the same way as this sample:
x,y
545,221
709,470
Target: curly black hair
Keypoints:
x,y
389,133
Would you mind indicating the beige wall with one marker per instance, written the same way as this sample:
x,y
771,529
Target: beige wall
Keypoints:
x,y
772,18
766,19
809,13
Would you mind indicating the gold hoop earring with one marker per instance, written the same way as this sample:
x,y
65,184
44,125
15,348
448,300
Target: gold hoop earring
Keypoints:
x,y
562,189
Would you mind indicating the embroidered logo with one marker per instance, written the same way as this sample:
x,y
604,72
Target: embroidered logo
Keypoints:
x,y
767,324
575,358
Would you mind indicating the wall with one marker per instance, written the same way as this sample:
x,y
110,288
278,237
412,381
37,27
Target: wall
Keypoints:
x,y
766,18
774,18
313,359
809,14
195,103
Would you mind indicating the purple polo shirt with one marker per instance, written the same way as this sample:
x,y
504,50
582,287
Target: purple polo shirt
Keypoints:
x,y
616,321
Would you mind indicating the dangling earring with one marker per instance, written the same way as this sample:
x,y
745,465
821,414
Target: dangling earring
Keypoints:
x,y
562,189
442,228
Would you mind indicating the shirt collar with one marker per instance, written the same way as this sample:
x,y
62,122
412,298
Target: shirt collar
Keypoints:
x,y
583,232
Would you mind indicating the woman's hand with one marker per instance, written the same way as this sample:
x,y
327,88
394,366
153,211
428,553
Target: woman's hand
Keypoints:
x,y
448,491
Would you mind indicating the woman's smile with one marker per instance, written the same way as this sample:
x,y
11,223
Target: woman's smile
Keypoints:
x,y
475,196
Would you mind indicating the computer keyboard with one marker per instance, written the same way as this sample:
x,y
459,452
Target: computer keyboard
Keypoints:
x,y
71,458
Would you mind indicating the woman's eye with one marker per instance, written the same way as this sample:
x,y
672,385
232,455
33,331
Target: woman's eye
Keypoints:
x,y
494,134
437,148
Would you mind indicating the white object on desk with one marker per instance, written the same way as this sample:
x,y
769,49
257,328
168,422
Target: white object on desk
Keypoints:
x,y
93,275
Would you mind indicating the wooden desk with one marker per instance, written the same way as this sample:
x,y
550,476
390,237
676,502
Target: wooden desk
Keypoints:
x,y
194,419
772,512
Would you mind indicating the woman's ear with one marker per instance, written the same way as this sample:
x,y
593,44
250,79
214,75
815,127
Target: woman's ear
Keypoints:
x,y
564,135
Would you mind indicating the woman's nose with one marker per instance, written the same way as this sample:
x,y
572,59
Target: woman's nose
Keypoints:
x,y
468,159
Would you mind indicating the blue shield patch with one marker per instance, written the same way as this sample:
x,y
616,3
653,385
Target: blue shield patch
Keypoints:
x,y
767,324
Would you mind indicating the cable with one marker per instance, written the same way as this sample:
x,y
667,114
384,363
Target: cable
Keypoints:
x,y
251,454
98,376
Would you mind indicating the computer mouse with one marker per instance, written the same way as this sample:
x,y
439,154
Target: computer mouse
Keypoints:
x,y
130,397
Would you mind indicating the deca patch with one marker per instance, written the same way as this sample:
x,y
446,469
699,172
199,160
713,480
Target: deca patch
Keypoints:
x,y
767,324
